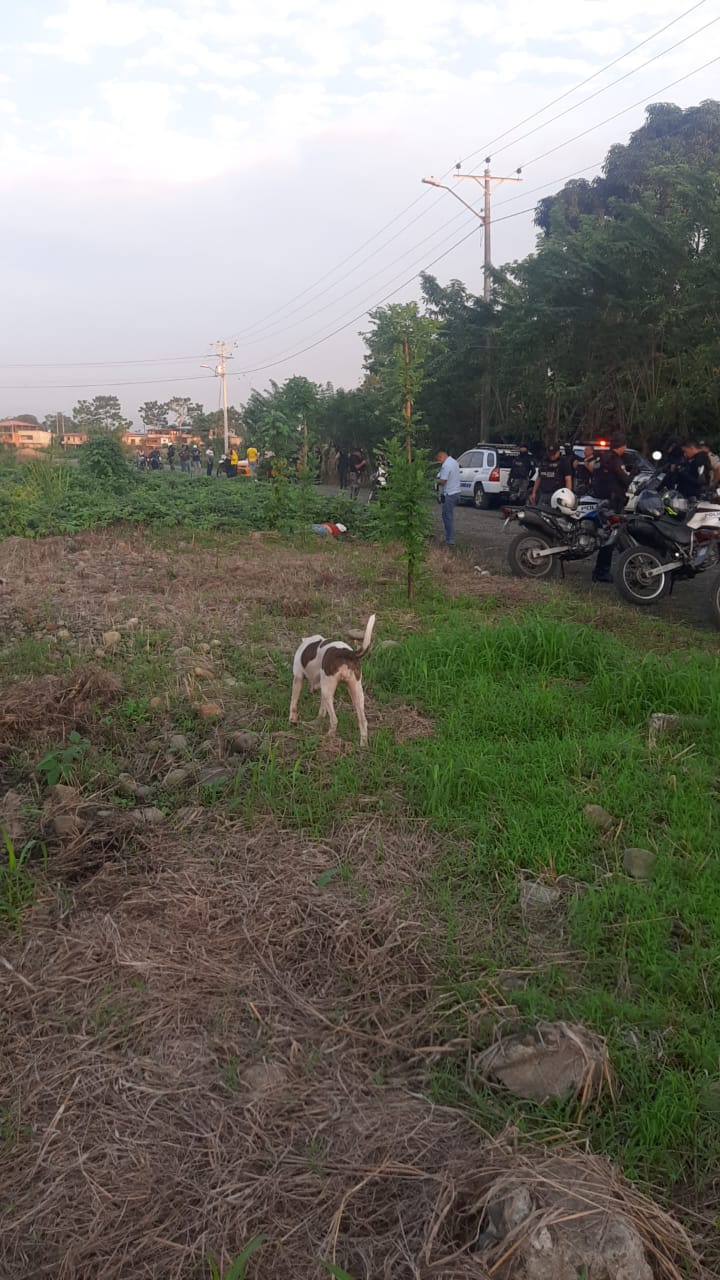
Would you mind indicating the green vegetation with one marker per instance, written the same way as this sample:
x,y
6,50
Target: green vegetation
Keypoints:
x,y
533,719
43,498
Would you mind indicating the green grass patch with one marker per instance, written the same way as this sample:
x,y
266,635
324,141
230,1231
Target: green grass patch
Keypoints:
x,y
40,499
533,719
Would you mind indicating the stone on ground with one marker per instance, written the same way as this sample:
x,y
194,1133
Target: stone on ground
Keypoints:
x,y
599,817
549,1060
638,863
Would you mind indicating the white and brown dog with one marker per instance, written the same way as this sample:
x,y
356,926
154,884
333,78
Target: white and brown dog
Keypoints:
x,y
325,664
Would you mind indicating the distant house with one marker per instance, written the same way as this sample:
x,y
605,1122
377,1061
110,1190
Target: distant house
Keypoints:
x,y
23,435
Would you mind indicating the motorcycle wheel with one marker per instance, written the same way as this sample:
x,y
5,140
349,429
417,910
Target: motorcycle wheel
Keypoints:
x,y
631,580
521,560
714,601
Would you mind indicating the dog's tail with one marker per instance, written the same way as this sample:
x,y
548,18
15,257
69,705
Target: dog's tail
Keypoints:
x,y
367,638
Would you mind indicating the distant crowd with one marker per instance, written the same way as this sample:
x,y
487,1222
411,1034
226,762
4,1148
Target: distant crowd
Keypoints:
x,y
191,460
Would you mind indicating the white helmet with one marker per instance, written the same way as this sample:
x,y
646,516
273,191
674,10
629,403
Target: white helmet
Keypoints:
x,y
563,500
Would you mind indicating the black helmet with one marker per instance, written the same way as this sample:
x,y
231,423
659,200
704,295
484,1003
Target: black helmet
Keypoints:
x,y
650,504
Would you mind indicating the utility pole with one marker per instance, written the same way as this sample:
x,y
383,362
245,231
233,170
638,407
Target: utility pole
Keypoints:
x,y
485,179
220,369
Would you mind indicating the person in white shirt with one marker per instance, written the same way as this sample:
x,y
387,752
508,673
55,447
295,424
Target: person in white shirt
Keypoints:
x,y
449,482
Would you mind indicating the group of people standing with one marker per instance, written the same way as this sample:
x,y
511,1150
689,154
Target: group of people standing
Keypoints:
x,y
191,460
691,468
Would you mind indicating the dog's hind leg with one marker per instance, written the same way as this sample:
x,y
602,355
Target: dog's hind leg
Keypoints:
x,y
357,698
328,686
295,698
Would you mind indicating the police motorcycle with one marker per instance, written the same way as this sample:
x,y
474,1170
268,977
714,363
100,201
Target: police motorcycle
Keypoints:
x,y
666,539
378,481
568,530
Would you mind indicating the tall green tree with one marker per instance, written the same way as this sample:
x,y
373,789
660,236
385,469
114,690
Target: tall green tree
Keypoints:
x,y
102,413
154,415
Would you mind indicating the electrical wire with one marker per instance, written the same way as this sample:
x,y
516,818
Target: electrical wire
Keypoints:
x,y
83,386
310,289
612,83
568,92
340,328
608,119
382,271
101,364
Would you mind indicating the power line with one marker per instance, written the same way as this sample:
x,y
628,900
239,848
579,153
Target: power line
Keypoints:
x,y
612,83
340,328
87,386
311,289
459,217
100,364
608,119
568,92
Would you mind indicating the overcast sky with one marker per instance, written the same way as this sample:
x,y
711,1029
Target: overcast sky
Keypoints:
x,y
176,173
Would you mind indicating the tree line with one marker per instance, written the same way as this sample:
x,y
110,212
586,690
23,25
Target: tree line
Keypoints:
x,y
611,323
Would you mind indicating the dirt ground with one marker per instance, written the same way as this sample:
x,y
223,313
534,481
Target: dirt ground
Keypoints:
x,y
210,1033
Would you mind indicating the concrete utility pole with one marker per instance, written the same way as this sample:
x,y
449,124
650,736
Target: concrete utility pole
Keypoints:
x,y
486,179
220,369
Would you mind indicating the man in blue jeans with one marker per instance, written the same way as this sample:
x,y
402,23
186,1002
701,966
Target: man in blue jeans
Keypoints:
x,y
449,482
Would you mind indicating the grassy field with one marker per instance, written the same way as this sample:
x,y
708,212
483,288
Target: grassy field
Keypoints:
x,y
38,498
331,910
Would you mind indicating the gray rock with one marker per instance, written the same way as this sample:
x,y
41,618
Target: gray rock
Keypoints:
x,y
111,638
176,777
660,724
549,1060
355,633
215,775
599,817
12,821
127,786
390,644
132,624
245,743
539,1219
639,863
538,897
63,634
148,817
183,652
178,742
230,682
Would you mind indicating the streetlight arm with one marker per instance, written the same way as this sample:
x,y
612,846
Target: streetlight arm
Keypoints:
x,y
433,182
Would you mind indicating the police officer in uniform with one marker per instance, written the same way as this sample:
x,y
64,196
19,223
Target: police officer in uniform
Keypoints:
x,y
610,483
554,472
695,472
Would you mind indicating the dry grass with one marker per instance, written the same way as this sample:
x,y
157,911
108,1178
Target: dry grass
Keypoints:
x,y
55,705
193,1045
208,1033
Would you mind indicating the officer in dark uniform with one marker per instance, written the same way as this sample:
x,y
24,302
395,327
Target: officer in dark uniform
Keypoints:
x,y
554,472
610,483
583,470
693,476
519,478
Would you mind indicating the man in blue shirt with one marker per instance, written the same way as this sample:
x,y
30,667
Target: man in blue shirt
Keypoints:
x,y
449,482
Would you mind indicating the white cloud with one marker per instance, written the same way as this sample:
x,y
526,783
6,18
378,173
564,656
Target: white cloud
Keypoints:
x,y
86,25
8,107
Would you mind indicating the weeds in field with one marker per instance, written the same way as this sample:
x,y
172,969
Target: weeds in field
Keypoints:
x,y
57,765
17,884
238,1268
